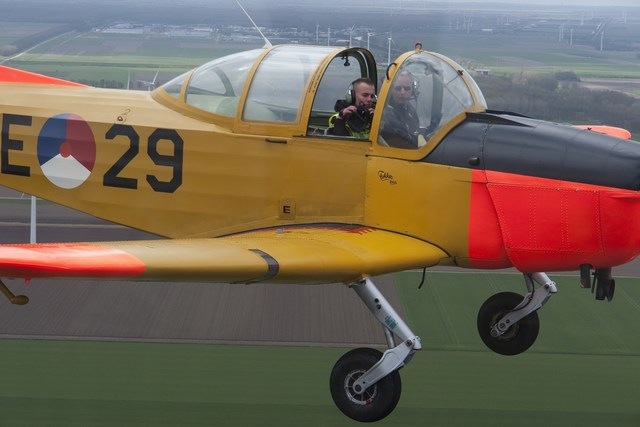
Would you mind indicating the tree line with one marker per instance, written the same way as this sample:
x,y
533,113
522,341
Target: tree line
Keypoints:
x,y
559,97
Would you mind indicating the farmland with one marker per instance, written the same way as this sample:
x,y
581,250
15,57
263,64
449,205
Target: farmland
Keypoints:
x,y
504,41
583,370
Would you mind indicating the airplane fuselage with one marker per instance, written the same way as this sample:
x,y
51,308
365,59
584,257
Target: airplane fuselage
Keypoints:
x,y
174,176
491,190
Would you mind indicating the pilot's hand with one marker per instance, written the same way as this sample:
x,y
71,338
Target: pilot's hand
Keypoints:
x,y
346,112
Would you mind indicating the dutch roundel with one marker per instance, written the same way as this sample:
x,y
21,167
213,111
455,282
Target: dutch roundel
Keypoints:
x,y
66,150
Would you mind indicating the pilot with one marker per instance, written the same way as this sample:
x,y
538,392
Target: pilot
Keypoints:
x,y
400,123
355,112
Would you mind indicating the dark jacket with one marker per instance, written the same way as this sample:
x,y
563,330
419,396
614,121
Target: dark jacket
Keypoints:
x,y
400,125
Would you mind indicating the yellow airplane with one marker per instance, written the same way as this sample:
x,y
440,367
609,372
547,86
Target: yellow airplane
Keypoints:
x,y
234,164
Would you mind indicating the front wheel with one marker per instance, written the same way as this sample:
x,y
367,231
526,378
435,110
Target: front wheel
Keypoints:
x,y
374,403
519,337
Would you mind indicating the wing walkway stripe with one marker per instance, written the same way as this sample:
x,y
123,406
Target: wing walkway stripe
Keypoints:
x,y
272,266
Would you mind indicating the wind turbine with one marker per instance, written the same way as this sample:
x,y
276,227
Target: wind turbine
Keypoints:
x,y
371,34
351,33
152,84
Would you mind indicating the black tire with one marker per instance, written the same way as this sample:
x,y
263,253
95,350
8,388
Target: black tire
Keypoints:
x,y
377,401
518,337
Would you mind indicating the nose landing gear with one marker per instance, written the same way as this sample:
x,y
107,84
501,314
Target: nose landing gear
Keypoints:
x,y
508,323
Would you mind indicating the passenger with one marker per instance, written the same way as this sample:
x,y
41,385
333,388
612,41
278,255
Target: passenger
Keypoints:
x,y
355,112
400,124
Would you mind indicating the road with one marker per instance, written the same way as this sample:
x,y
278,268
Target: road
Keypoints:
x,y
19,54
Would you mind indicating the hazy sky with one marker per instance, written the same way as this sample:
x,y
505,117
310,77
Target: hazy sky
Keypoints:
x,y
600,3
574,3
385,3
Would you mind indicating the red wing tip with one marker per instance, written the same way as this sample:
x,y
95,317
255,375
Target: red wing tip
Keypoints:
x,y
13,75
67,260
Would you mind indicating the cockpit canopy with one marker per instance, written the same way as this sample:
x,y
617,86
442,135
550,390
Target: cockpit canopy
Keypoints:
x,y
293,89
426,93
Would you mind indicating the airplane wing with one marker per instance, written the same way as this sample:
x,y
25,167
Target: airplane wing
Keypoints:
x,y
309,254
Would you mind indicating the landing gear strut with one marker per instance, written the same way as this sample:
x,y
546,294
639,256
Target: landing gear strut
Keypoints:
x,y
507,323
365,384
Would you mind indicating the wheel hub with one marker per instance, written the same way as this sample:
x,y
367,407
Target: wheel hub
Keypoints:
x,y
502,331
358,396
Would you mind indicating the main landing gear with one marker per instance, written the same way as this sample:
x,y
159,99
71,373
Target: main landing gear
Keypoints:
x,y
507,323
365,383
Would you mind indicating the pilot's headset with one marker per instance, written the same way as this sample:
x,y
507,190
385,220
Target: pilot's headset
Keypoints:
x,y
350,94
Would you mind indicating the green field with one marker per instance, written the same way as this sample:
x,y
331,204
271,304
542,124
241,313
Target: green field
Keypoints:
x,y
97,56
12,31
584,370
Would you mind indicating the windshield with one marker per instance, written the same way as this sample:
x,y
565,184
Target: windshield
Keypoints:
x,y
278,87
217,85
425,94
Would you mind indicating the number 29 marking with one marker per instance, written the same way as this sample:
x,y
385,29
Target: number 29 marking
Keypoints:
x,y
114,177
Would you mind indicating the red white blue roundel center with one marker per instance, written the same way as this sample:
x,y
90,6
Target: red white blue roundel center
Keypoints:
x,y
66,150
